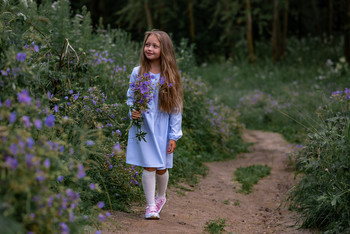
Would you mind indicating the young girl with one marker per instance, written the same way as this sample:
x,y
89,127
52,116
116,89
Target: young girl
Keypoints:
x,y
162,122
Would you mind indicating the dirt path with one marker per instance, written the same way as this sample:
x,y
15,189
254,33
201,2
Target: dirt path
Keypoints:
x,y
215,197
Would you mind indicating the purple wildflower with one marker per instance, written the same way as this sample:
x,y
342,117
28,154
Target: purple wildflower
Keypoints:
x,y
64,228
90,143
81,172
21,57
50,121
13,149
56,108
116,148
8,103
16,71
92,186
12,162
49,201
101,217
12,117
108,214
76,96
101,204
162,80
71,216
30,142
37,123
26,121
71,91
4,73
36,48
47,163
68,103
49,95
40,176
98,232
60,178
24,97
29,160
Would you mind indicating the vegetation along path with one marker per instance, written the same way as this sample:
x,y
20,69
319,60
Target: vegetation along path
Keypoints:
x,y
216,197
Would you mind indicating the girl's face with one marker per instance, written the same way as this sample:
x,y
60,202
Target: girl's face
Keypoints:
x,y
152,48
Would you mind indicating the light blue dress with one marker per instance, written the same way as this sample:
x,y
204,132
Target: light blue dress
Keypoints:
x,y
159,126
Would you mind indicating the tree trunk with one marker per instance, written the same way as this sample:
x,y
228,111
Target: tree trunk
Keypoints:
x,y
330,21
275,32
347,32
148,16
191,19
282,51
249,32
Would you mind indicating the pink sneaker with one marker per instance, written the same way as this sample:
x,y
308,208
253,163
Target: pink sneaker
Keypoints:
x,y
151,212
160,203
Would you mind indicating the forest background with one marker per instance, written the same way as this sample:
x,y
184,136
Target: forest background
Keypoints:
x,y
273,65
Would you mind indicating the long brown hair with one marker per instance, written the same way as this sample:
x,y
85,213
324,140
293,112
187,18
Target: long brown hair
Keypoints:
x,y
170,93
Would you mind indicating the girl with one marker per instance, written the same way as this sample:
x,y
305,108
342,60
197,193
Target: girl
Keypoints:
x,y
162,122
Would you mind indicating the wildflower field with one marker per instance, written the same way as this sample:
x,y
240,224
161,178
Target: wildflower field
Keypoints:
x,y
63,121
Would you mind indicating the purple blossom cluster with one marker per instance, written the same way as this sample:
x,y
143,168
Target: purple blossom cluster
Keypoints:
x,y
32,47
8,72
341,95
223,119
24,98
36,158
100,58
259,98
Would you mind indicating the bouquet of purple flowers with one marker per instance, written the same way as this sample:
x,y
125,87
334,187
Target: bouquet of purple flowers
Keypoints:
x,y
142,89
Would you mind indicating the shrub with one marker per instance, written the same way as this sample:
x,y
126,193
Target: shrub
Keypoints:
x,y
322,196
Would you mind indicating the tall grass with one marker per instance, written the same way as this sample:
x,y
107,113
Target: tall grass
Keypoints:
x,y
281,97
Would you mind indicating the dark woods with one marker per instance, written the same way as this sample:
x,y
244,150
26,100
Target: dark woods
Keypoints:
x,y
217,27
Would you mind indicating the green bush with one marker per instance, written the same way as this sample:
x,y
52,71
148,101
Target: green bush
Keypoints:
x,y
323,194
63,120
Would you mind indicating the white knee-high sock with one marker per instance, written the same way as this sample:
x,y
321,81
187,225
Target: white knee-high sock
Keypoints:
x,y
162,183
149,185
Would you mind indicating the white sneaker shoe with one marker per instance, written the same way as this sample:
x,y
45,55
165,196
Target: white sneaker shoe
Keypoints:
x,y
151,212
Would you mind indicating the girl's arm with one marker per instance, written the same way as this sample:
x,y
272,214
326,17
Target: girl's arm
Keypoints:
x,y
175,132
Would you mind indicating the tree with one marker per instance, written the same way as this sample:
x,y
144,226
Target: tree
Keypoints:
x,y
347,32
279,30
249,32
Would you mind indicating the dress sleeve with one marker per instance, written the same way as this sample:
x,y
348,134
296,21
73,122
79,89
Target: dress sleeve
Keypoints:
x,y
130,93
175,120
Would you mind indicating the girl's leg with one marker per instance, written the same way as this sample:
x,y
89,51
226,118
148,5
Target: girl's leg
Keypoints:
x,y
162,179
149,184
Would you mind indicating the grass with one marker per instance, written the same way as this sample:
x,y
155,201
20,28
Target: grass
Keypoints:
x,y
215,226
248,176
300,85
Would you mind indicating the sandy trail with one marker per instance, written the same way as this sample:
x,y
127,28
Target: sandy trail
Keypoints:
x,y
216,197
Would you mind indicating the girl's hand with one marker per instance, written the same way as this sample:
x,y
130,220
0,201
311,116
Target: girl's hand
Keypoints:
x,y
135,114
171,147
